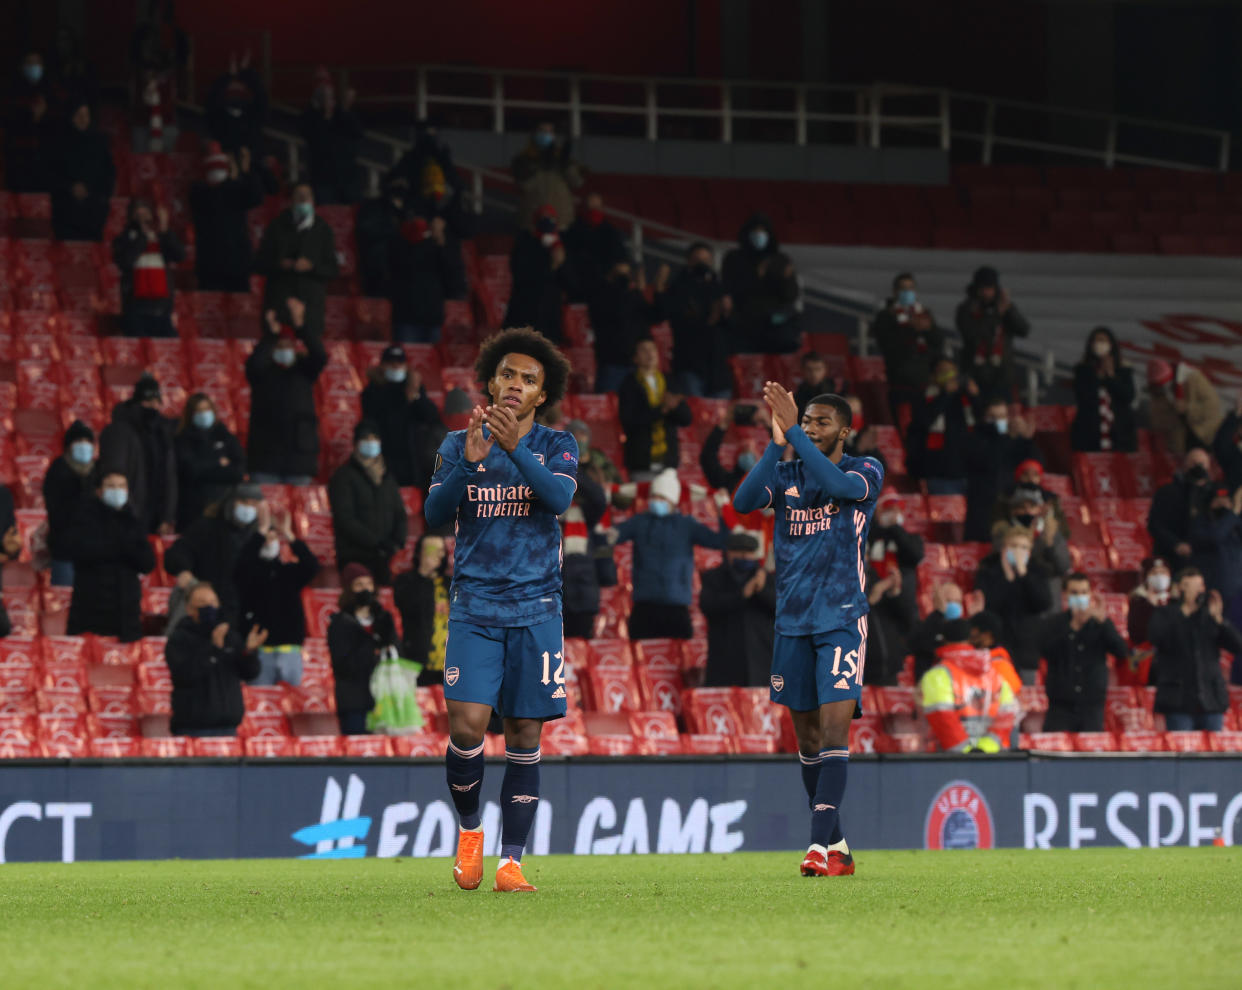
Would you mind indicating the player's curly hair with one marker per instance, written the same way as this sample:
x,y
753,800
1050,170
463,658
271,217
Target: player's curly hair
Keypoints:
x,y
528,341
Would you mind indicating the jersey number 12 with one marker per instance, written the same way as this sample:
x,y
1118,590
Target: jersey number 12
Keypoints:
x,y
559,676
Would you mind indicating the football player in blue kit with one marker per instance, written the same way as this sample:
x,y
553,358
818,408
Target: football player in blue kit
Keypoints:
x,y
505,479
823,501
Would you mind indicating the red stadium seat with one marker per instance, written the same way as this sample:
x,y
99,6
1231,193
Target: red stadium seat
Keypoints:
x,y
171,747
660,688
1187,742
320,746
611,689
1142,742
610,653
706,744
711,711
1218,742
1048,742
369,747
1094,742
421,745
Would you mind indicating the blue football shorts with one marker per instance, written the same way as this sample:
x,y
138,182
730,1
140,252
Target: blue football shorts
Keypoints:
x,y
518,670
809,671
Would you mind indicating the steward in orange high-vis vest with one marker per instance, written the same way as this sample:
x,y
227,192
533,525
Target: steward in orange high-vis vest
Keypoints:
x,y
967,700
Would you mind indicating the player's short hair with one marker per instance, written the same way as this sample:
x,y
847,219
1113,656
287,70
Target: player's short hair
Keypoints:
x,y
1186,572
1077,576
837,402
528,341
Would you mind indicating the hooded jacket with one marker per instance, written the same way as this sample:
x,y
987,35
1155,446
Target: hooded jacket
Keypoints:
x,y
763,295
139,444
967,701
222,254
284,427
109,550
209,550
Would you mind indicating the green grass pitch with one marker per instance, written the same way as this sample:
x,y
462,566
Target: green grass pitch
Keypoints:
x,y
1087,919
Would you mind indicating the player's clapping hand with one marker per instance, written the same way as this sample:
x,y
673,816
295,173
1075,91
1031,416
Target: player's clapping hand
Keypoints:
x,y
477,445
784,409
503,423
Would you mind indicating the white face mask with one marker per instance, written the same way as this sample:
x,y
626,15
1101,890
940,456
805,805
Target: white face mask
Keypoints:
x,y
284,356
1159,582
548,240
245,514
216,175
270,550
1101,348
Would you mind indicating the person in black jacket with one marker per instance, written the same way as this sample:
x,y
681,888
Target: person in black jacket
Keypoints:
x,y
209,549
989,322
210,460
620,317
139,443
333,136
427,269
1188,635
29,130
541,275
1176,506
208,661
1104,392
650,415
109,549
910,341
236,106
738,598
726,478
218,205
145,252
594,246
283,439
584,553
1076,643
1016,588
763,286
892,548
994,449
928,636
269,593
697,310
68,481
368,515
1227,446
377,228
940,431
356,635
297,254
422,597
84,177
409,423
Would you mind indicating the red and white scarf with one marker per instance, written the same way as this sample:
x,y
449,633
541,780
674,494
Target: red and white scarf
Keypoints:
x,y
935,432
150,273
1106,419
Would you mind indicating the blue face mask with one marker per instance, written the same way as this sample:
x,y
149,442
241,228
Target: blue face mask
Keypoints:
x,y
759,239
746,460
1079,603
115,498
303,211
544,139
81,451
906,297
1002,426
952,611
368,449
245,514
394,374
204,419
659,507
33,73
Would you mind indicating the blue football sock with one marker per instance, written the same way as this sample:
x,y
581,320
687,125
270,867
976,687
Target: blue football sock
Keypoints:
x,y
519,797
825,811
464,770
810,775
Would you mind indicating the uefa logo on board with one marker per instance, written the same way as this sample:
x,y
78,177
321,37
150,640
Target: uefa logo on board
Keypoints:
x,y
959,818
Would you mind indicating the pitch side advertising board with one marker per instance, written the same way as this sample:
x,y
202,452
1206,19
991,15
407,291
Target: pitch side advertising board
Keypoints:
x,y
348,809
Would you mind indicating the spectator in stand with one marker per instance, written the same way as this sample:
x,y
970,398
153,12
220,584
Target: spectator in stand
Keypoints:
x,y
1050,550
1176,506
333,136
283,438
237,106
888,622
429,148
595,247
940,432
815,381
158,49
864,440
891,548
269,595
1228,446
697,309
593,462
218,204
210,460
994,449
1216,539
422,599
298,255
11,543
1104,391
368,516
68,481
621,317
108,547
1152,594
763,286
29,130
84,177
664,542
910,342
145,252
434,198
1029,475
546,175
738,598
1076,643
210,548
968,703
377,229
356,636
139,443
928,635
1016,588
985,632
1188,635
427,269
1184,408
588,561
541,275
650,416
208,661
989,322
728,478
409,423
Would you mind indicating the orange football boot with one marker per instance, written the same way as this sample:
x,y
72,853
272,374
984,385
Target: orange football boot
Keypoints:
x,y
468,867
509,877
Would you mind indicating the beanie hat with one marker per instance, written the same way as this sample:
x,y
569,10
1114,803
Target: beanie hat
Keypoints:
x,y
78,431
985,277
665,485
1159,372
1028,465
146,388
393,354
351,572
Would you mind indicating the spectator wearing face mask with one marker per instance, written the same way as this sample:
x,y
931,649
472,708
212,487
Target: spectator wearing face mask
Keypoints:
x,y
377,228
210,548
1077,643
210,460
594,247
620,317
422,598
409,423
1176,505
928,635
763,286
1104,390
1184,408
139,441
297,255
697,310
273,566
283,440
1050,550
368,516
1188,635
738,598
1216,539
969,705
145,252
333,134
1228,446
83,180
29,130
890,548
108,547
541,276
940,431
993,451
592,461
650,415
356,636
664,542
546,175
236,107
427,269
718,475
218,204
208,661
1029,475
1151,594
1016,588
910,341
989,323
68,481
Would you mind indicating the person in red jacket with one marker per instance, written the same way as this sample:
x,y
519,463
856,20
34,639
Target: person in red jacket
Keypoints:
x,y
968,703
